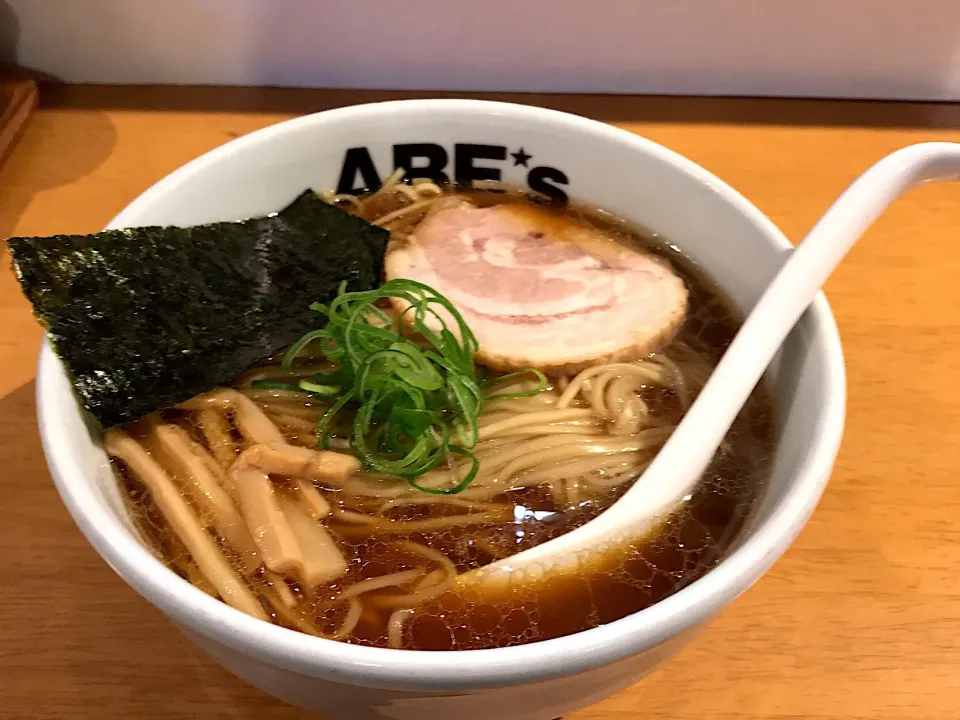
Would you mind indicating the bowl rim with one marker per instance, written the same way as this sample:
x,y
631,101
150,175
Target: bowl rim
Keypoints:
x,y
467,669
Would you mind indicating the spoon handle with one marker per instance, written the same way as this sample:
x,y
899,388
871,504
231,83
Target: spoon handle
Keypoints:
x,y
691,447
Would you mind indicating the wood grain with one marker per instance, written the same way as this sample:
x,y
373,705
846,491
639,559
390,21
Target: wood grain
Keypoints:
x,y
859,621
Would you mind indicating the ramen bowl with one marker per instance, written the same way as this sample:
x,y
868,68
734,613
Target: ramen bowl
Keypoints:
x,y
556,155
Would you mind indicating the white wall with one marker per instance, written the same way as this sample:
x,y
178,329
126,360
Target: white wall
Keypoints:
x,y
833,48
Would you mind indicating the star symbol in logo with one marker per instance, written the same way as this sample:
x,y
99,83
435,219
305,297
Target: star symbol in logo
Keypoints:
x,y
520,158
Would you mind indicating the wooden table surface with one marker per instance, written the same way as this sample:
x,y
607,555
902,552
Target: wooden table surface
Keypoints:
x,y
861,618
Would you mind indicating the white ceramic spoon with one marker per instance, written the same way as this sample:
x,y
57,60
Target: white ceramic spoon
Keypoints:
x,y
677,468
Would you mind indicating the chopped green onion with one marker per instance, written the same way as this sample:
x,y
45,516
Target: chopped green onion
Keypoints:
x,y
413,402
319,389
459,487
540,387
270,385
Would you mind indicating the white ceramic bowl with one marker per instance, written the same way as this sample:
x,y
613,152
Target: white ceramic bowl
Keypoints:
x,y
616,170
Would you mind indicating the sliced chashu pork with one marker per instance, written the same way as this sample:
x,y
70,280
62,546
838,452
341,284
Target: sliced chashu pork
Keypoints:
x,y
542,291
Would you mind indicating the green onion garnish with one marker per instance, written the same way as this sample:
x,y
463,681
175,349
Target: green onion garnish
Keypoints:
x,y
536,390
271,385
412,402
317,389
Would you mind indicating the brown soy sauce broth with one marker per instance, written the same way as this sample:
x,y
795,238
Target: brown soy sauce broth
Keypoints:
x,y
621,581
624,580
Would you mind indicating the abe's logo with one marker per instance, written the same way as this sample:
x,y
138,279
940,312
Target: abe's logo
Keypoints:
x,y
470,162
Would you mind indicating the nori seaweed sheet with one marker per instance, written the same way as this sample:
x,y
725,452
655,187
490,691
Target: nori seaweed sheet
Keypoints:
x,y
145,318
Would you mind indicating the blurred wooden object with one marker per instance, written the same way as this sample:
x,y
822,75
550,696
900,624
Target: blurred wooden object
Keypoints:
x,y
18,100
